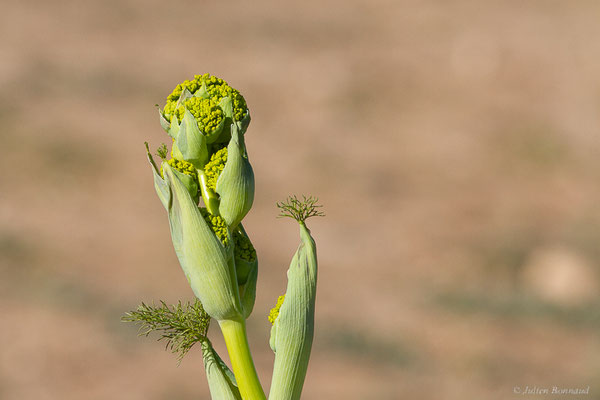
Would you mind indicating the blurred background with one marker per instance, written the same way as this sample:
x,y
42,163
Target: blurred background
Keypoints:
x,y
454,145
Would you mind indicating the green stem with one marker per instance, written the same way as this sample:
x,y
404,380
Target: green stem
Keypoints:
x,y
236,341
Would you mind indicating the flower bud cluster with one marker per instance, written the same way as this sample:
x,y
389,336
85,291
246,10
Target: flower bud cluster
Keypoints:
x,y
183,166
216,224
207,112
214,167
274,313
207,87
207,119
244,250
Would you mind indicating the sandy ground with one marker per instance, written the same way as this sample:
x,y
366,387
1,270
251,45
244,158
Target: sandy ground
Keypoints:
x,y
454,144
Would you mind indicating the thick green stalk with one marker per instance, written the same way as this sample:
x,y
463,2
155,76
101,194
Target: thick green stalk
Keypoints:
x,y
236,341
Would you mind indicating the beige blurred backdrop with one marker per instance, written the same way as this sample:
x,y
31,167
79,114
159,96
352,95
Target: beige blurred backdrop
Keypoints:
x,y
454,145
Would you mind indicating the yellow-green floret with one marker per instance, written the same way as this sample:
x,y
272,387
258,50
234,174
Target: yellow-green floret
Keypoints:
x,y
274,313
217,224
216,90
182,166
214,167
192,86
243,247
208,114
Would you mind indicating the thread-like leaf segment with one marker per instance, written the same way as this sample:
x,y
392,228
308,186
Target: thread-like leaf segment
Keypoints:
x,y
181,326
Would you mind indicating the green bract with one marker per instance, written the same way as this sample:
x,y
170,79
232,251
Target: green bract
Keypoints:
x,y
221,381
293,323
189,143
186,173
235,185
245,255
246,266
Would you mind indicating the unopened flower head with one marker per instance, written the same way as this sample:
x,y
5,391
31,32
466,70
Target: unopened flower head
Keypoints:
x,y
207,119
204,97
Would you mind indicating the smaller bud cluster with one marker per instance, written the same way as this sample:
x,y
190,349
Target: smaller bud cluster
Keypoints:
x,y
274,313
183,167
244,249
217,88
217,224
214,167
